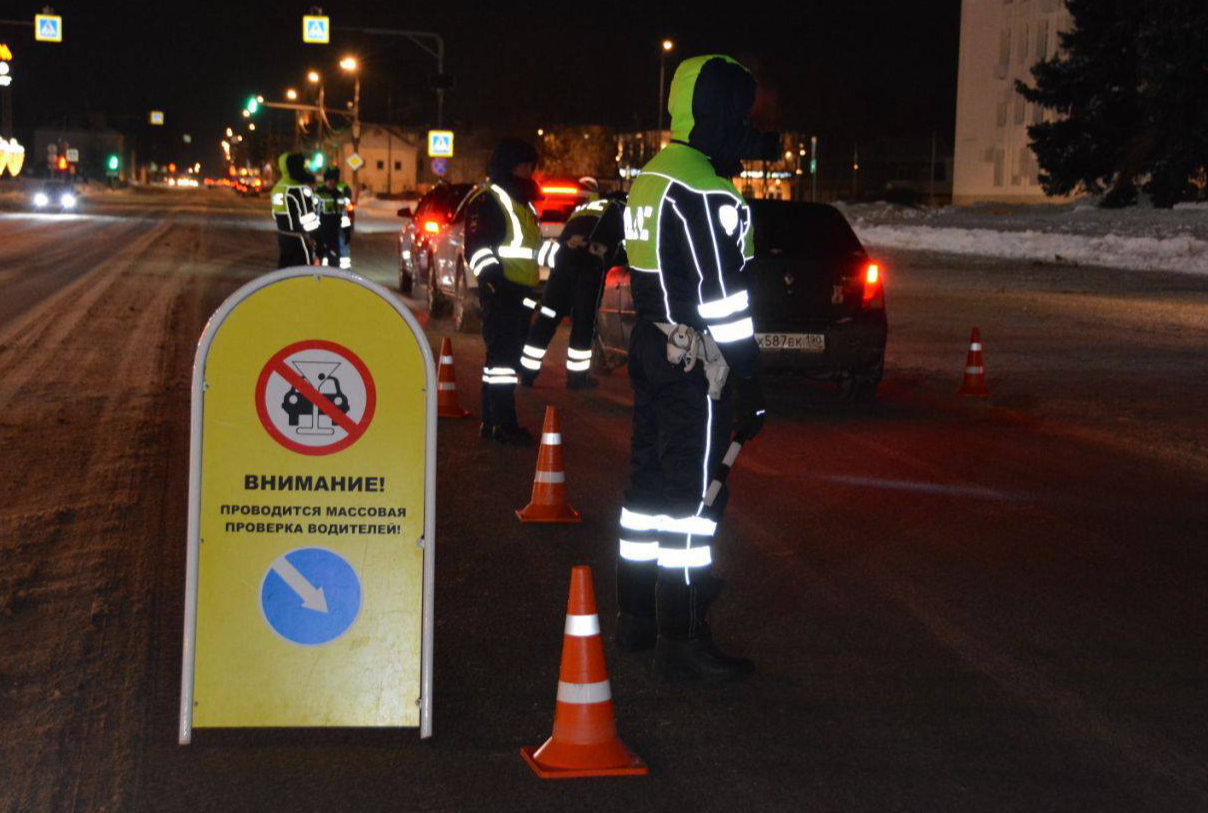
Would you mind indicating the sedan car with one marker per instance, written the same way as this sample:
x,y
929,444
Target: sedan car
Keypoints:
x,y
421,225
56,196
818,299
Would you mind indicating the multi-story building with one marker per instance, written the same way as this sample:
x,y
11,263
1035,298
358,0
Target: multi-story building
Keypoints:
x,y
1000,42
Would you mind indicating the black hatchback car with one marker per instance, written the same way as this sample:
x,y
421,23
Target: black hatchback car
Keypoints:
x,y
818,300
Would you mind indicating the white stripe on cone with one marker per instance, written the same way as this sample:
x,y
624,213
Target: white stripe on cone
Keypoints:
x,y
582,694
975,346
583,626
445,386
551,438
974,370
550,477
446,359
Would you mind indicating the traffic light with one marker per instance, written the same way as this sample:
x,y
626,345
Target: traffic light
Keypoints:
x,y
172,167
62,162
252,105
317,161
114,163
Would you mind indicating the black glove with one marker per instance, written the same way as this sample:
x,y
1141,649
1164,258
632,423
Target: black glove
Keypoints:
x,y
749,410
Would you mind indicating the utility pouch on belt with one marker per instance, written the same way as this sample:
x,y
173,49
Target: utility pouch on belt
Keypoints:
x,y
686,346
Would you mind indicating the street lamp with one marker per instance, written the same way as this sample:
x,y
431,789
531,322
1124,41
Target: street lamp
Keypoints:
x,y
313,77
291,94
349,64
667,48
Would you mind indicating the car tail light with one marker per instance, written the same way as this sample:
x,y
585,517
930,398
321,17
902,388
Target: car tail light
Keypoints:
x,y
432,227
874,291
560,190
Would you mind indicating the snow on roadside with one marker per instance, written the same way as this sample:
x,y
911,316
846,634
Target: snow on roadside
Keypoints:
x,y
1142,239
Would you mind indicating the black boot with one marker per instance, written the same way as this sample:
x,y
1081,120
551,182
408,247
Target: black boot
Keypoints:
x,y
511,435
636,625
685,649
485,431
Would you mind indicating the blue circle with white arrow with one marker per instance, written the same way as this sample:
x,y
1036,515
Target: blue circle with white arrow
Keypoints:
x,y
310,596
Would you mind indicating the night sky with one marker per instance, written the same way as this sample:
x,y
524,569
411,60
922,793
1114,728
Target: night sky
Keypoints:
x,y
846,69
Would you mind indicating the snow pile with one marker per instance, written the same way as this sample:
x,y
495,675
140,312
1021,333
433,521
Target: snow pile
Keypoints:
x,y
1141,238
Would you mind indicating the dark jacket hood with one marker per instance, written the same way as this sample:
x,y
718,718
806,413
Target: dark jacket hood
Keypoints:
x,y
710,104
293,168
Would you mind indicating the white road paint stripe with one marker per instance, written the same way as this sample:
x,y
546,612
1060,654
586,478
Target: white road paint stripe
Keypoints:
x,y
924,487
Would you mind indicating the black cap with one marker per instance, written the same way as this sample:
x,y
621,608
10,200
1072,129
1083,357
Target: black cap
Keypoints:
x,y
511,153
331,174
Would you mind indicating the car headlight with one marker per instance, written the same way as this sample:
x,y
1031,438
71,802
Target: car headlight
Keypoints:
x,y
68,200
40,199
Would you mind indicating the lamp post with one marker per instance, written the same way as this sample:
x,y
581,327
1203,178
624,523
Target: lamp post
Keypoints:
x,y
349,64
667,47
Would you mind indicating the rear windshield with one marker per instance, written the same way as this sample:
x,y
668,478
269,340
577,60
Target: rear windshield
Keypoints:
x,y
815,230
445,199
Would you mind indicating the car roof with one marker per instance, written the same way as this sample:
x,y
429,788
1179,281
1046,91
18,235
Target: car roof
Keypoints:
x,y
785,226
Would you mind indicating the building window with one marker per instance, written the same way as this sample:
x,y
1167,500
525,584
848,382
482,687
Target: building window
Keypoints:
x,y
1023,46
1002,114
999,155
1020,108
1042,40
1004,47
1037,114
381,164
398,165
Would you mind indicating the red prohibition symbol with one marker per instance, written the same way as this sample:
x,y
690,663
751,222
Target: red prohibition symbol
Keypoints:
x,y
315,397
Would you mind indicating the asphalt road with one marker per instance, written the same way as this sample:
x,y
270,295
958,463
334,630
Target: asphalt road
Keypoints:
x,y
954,605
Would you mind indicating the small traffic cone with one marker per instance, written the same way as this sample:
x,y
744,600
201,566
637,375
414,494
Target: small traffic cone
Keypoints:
x,y
974,385
446,385
549,485
585,741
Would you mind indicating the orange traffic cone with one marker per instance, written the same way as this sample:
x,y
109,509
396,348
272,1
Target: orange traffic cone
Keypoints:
x,y
446,385
585,741
549,485
974,385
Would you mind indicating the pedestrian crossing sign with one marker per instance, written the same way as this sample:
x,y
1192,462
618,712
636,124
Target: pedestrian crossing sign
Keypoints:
x,y
316,29
440,143
48,28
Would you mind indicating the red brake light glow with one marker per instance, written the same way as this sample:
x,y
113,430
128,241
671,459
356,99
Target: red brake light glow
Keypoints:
x,y
560,190
874,296
431,226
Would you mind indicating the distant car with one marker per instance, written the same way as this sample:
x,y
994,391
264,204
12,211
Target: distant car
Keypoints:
x,y
451,288
56,196
817,299
421,225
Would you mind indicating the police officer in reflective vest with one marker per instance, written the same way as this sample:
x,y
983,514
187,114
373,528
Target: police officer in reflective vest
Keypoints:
x,y
688,237
333,211
502,238
589,244
294,211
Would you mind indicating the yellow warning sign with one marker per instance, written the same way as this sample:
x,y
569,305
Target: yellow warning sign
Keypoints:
x,y
311,523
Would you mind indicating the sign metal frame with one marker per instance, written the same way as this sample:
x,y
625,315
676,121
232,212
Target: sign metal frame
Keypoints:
x,y
427,542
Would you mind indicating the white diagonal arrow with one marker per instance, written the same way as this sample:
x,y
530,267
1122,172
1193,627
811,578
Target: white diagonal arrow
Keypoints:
x,y
312,597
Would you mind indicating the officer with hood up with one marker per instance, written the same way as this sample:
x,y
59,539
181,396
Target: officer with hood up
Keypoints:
x,y
294,211
688,237
502,238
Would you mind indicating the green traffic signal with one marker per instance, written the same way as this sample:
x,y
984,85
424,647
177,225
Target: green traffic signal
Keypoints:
x,y
114,163
252,105
317,161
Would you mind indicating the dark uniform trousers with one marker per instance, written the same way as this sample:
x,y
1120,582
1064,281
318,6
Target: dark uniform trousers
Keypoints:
x,y
573,288
679,437
292,249
505,322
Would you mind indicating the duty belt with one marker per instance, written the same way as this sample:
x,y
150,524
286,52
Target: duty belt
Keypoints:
x,y
686,345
